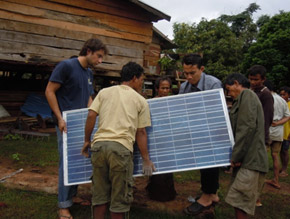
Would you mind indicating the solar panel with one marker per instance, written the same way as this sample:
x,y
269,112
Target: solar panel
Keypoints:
x,y
189,131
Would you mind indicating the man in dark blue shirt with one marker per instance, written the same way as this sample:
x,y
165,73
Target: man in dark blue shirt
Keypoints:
x,y
70,87
197,80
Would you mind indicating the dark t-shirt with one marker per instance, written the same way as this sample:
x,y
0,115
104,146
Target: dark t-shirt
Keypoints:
x,y
76,84
267,101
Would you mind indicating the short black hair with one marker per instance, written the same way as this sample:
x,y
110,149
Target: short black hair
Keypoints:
x,y
160,79
269,85
93,45
286,89
130,70
193,59
241,79
257,70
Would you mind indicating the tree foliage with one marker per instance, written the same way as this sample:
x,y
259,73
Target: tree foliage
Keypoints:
x,y
222,41
242,25
272,49
233,43
214,40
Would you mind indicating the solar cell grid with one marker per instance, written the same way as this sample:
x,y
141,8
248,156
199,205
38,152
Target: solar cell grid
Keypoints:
x,y
189,131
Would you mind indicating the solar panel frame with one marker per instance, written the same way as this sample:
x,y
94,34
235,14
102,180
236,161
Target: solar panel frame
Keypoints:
x,y
85,162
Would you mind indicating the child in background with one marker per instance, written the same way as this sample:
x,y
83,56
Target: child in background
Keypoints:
x,y
284,156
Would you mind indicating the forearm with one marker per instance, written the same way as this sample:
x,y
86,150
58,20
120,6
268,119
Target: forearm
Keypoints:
x,y
50,94
52,101
268,109
281,121
90,101
90,124
141,138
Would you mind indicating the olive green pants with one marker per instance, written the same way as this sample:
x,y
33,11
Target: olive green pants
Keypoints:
x,y
112,180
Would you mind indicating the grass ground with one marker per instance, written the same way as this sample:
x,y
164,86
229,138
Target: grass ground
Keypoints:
x,y
32,153
42,154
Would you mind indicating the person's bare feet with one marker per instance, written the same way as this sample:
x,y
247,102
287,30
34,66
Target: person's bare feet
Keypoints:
x,y
214,198
283,174
273,183
63,213
205,200
208,199
258,203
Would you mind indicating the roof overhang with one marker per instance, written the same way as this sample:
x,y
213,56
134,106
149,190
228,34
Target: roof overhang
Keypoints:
x,y
156,14
165,42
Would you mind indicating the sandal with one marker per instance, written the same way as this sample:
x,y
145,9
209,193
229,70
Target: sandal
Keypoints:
x,y
283,174
195,209
192,200
272,183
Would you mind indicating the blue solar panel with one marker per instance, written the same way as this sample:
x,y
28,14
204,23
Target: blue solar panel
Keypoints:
x,y
189,131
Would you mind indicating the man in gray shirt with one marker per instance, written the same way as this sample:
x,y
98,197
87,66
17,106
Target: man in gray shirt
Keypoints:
x,y
197,80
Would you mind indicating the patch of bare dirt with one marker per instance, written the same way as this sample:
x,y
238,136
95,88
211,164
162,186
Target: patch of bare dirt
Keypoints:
x,y
177,205
46,180
30,178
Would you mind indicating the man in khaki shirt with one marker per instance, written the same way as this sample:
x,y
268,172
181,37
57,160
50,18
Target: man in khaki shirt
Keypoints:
x,y
123,115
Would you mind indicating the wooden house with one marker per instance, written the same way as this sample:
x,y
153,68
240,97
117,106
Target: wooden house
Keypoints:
x,y
37,34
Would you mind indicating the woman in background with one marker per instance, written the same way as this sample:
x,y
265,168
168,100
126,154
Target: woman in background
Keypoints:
x,y
161,186
163,86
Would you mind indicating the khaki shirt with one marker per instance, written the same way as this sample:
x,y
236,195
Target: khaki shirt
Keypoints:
x,y
247,120
121,111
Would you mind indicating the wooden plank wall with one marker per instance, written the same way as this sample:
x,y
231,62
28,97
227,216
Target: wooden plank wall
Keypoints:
x,y
48,31
151,57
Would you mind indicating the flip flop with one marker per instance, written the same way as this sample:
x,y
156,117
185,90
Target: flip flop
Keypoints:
x,y
192,200
271,183
196,208
283,174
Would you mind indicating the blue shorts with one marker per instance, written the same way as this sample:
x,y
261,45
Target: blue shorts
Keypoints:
x,y
285,145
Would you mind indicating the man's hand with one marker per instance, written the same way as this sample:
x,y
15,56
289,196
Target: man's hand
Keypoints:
x,y
62,125
235,164
274,124
85,149
148,167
